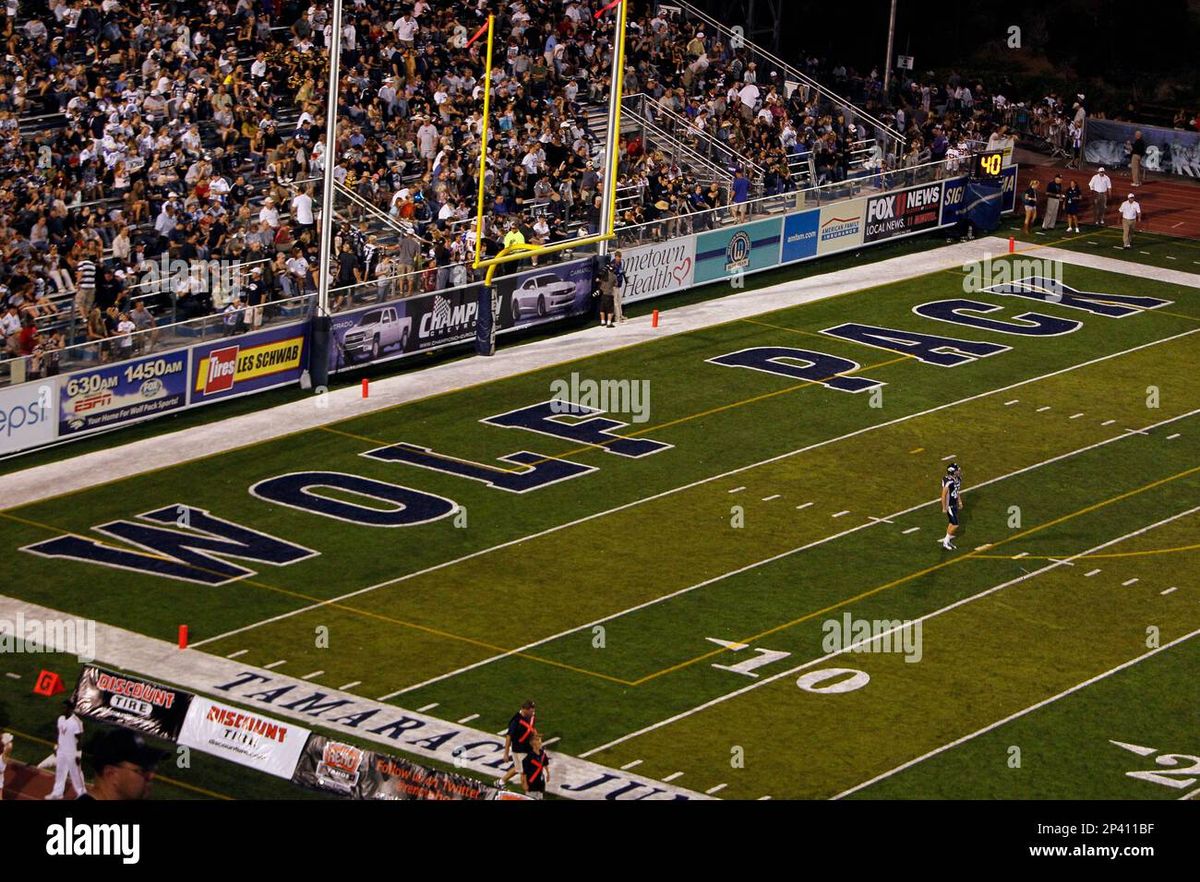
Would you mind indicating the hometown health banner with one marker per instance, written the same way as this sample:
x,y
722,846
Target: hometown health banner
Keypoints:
x,y
113,394
131,702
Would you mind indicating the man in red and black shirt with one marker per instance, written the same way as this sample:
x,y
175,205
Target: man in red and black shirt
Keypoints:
x,y
518,742
536,768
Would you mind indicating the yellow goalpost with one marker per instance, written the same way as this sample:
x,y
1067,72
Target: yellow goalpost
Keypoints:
x,y
608,206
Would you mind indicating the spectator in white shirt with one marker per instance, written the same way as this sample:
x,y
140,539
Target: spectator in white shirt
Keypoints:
x,y
269,214
1131,214
406,28
302,209
1100,185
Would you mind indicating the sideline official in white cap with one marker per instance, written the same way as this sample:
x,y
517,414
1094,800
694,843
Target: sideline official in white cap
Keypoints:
x,y
1131,213
1100,185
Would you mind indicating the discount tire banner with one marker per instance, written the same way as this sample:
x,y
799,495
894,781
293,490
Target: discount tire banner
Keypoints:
x,y
243,737
131,702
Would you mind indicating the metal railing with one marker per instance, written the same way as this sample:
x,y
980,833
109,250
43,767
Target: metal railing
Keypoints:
x,y
778,204
894,139
682,129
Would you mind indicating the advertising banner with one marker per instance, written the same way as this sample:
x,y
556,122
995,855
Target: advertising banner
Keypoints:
x,y
1008,189
352,772
800,235
248,362
841,226
658,268
539,295
743,248
954,195
913,210
110,395
131,702
27,415
1171,151
242,737
399,327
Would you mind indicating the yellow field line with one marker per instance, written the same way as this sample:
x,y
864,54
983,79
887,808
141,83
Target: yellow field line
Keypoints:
x,y
324,603
1076,556
924,572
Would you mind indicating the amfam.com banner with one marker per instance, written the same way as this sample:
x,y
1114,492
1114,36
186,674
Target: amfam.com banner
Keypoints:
x,y
243,737
27,415
660,268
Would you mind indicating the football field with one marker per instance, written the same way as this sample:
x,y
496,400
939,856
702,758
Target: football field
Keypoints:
x,y
713,558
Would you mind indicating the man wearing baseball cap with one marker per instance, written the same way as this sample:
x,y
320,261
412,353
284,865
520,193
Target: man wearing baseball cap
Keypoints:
x,y
1100,184
1131,213
124,765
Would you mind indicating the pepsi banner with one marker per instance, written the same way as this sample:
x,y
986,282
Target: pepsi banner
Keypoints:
x,y
908,211
248,362
345,770
131,702
111,395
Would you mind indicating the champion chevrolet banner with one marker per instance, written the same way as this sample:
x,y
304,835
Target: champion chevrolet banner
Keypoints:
x,y
355,773
131,702
242,737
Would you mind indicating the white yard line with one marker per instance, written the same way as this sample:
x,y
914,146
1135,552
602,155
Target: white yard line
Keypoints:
x,y
468,718
842,513
1091,573
313,675
711,790
791,672
1018,714
632,765
804,506
1173,437
737,489
706,582
586,518
430,707
1108,422
1169,590
1129,582
909,530
237,654
671,777
769,498
275,664
349,685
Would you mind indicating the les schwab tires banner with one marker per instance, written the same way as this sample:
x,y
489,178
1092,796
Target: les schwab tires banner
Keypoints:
x,y
352,772
242,737
131,702
248,362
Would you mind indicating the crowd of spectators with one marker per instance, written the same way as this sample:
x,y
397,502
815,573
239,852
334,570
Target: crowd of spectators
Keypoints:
x,y
168,132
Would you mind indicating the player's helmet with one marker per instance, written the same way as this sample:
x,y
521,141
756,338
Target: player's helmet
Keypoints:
x,y
952,468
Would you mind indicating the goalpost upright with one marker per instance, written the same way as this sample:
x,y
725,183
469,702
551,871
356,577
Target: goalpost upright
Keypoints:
x,y
608,200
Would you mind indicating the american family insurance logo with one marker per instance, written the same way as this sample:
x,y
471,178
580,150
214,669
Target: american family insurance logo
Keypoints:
x,y
839,227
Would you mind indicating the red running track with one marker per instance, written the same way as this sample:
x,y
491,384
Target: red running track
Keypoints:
x,y
1170,205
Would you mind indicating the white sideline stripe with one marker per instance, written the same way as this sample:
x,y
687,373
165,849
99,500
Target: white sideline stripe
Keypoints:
x,y
1011,403
1194,793
468,719
629,766
761,798
13,676
802,507
1075,416
1108,422
711,790
823,658
1173,437
1018,714
1062,560
671,777
1129,582
1022,554
349,685
737,489
769,498
1091,573
864,430
841,513
313,674
879,520
548,741
1169,590
751,566
427,707
275,664
1041,409
240,652
909,530
945,458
